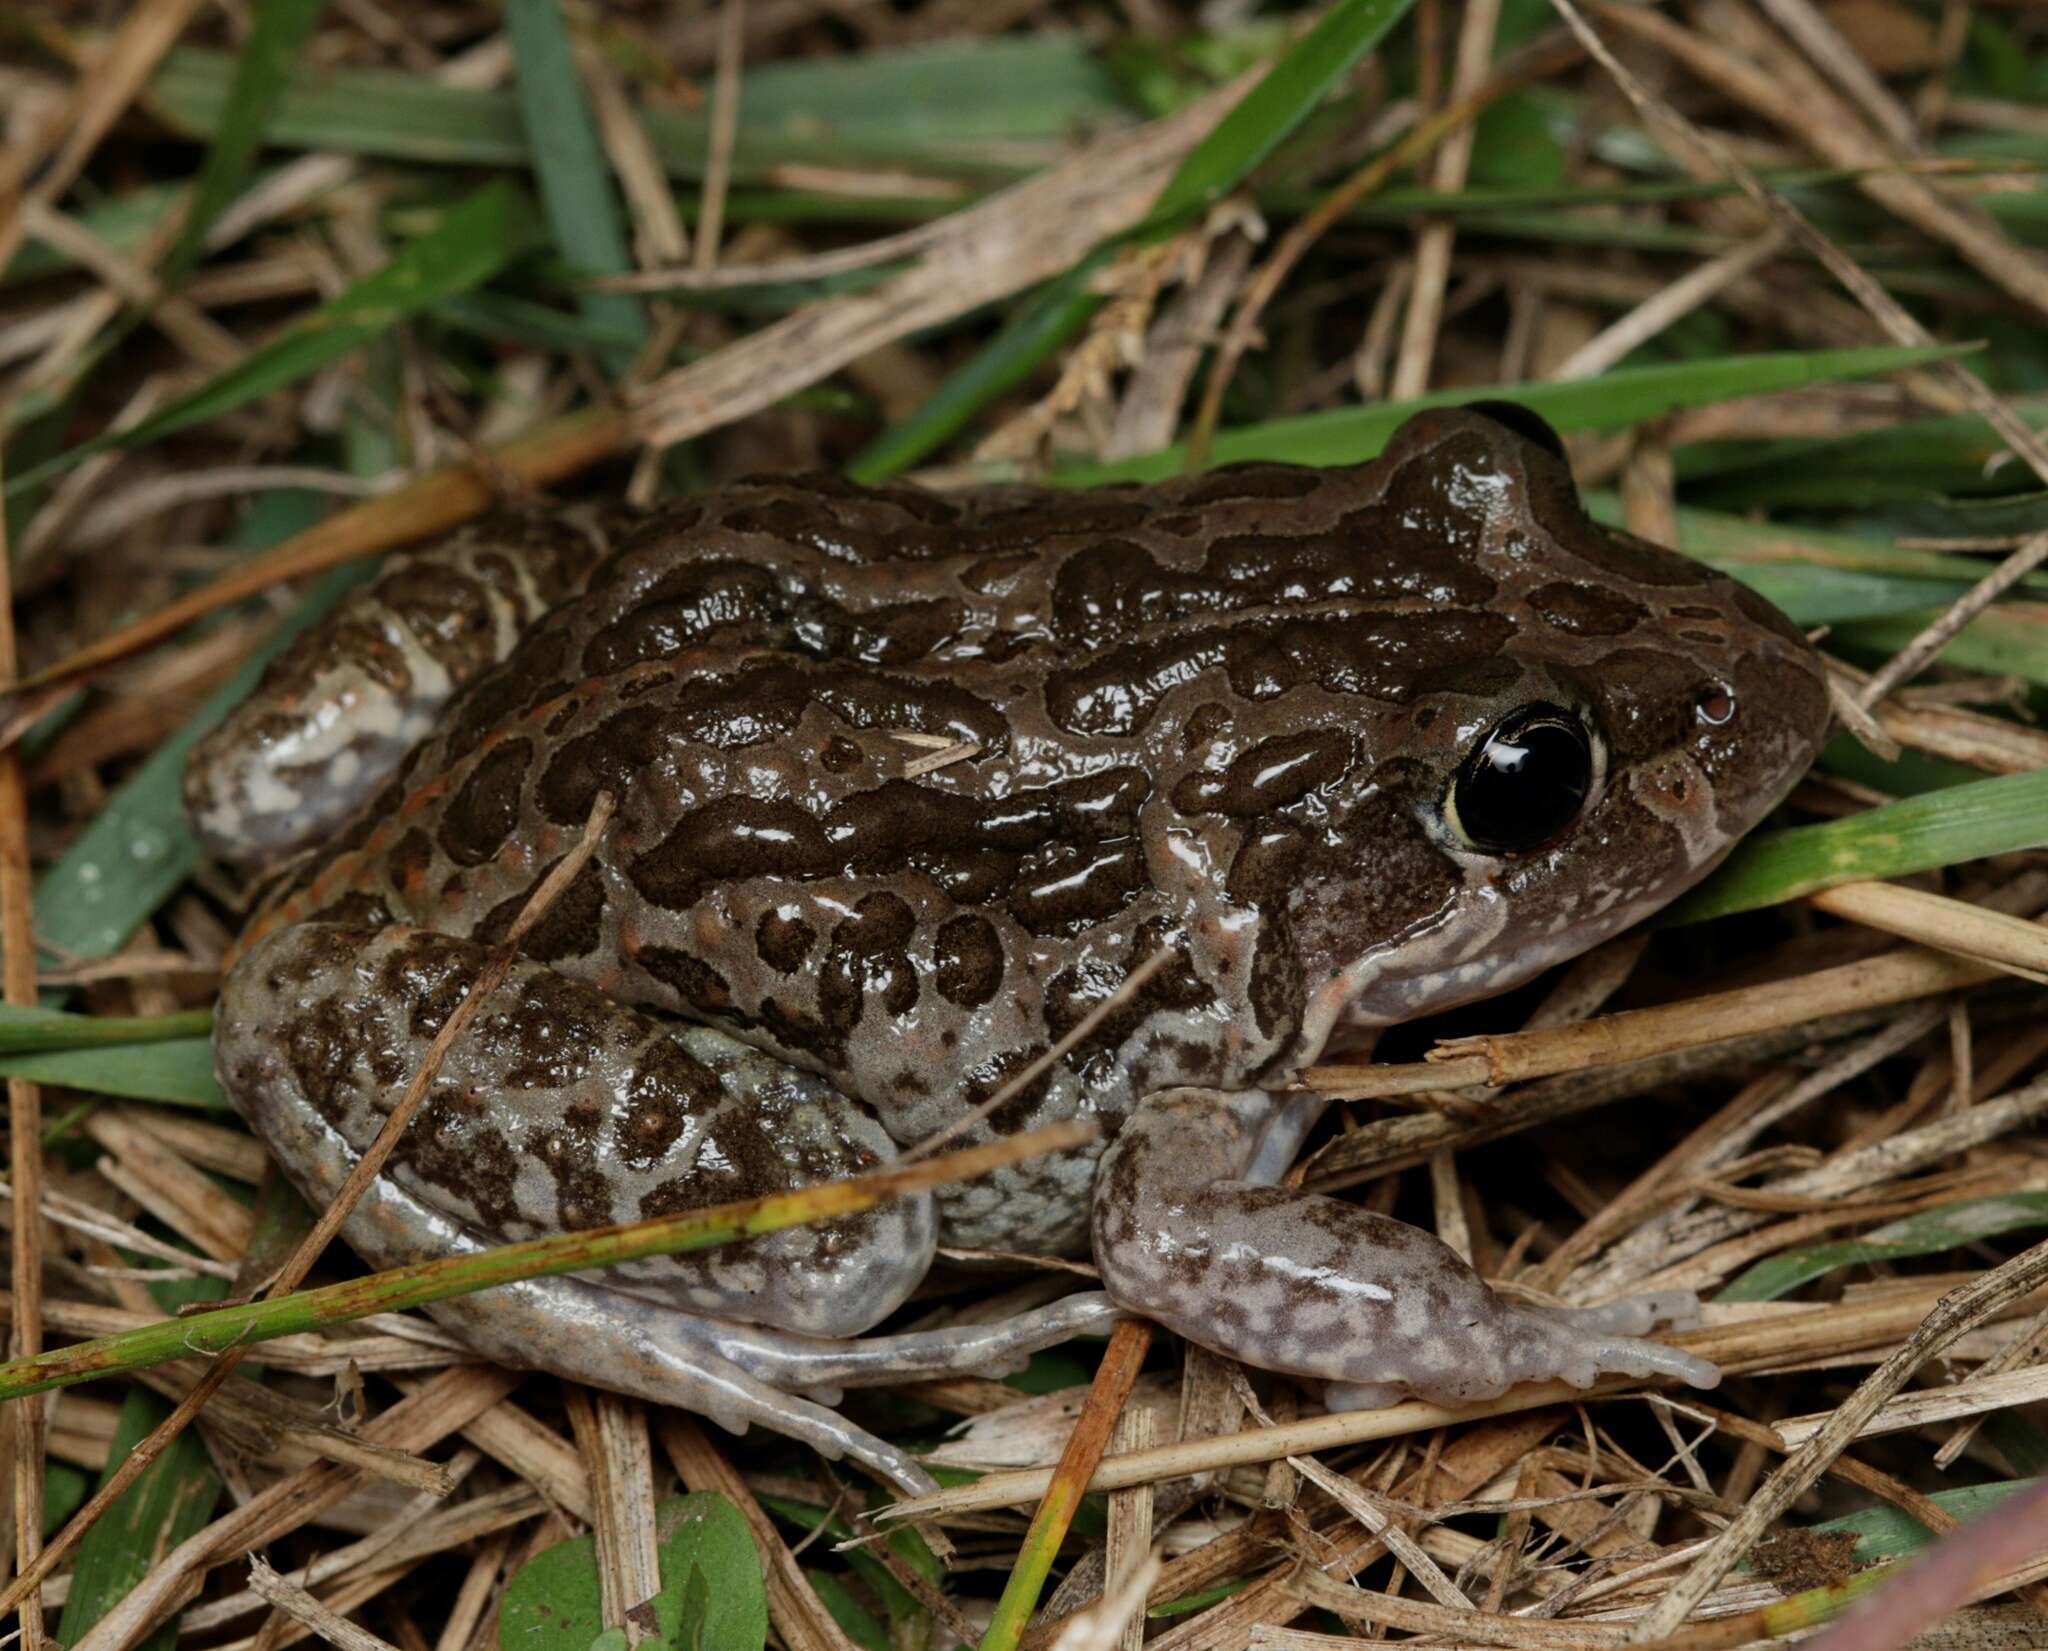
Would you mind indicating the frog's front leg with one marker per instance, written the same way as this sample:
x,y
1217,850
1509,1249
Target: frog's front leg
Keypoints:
x,y
1189,1232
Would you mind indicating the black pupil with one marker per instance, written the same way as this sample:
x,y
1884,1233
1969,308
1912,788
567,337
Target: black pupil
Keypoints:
x,y
1526,782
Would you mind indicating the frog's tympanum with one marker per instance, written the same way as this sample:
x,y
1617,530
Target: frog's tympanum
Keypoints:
x,y
1348,746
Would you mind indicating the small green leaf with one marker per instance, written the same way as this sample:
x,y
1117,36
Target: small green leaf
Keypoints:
x,y
2004,815
695,1616
1950,1227
555,1602
473,241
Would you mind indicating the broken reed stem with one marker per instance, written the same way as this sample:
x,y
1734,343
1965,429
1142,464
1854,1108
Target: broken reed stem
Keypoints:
x,y
1078,1461
25,1128
435,503
315,1243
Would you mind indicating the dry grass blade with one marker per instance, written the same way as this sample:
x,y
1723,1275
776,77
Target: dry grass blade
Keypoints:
x,y
98,100
1635,1034
301,1606
1032,232
1077,1464
1956,926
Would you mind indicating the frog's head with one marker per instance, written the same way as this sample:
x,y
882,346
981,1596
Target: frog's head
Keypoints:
x,y
1611,719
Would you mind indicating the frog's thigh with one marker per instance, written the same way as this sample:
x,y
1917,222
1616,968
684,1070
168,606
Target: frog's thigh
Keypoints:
x,y
1298,1282
559,1109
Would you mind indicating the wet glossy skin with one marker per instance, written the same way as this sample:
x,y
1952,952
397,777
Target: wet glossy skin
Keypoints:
x,y
1222,717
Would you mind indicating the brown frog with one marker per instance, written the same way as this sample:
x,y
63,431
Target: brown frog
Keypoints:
x,y
1325,749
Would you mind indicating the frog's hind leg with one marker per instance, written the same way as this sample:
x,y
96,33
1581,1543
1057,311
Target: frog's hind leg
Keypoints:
x,y
336,713
579,1329
1297,1282
558,1109
823,1367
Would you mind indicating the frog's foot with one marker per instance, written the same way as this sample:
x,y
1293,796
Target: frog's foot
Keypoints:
x,y
336,713
625,1344
580,1329
1297,1282
822,1367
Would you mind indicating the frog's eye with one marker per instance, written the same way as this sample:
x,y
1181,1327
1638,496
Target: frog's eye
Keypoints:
x,y
1529,425
1523,783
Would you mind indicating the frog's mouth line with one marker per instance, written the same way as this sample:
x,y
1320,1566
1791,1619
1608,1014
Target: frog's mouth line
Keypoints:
x,y
1457,963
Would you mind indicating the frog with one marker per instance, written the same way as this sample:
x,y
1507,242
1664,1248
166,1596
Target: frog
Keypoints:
x,y
883,812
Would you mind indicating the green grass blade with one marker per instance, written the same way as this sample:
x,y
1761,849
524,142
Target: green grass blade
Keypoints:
x,y
1889,1533
263,70
1966,822
473,241
177,1072
1285,96
978,108
1614,401
575,181
1734,543
27,1030
2008,640
1952,1227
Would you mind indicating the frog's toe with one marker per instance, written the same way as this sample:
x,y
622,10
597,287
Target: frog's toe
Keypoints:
x,y
1636,1315
1362,1395
1574,1346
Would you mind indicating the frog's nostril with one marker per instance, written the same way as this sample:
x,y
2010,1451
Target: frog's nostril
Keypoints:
x,y
1715,705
